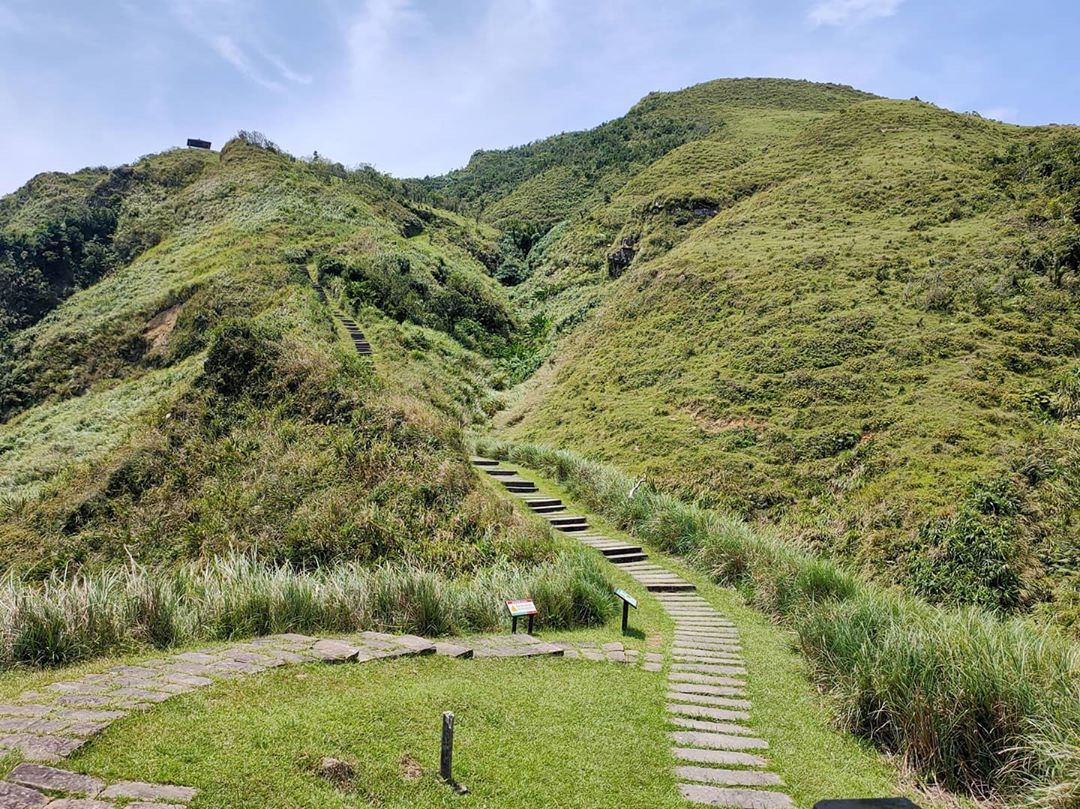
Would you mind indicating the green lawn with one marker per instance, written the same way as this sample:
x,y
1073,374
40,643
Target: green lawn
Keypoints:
x,y
528,733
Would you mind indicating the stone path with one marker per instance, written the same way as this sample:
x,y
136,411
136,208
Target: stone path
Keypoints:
x,y
361,343
720,760
30,786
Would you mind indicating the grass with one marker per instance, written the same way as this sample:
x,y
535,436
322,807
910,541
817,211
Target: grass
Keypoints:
x,y
67,620
966,699
256,742
816,758
829,324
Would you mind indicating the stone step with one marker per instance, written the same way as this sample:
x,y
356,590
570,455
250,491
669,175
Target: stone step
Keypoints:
x,y
534,502
726,757
735,798
709,668
567,519
731,778
709,726
704,679
501,473
717,741
668,588
624,558
547,509
725,660
617,549
701,688
481,461
708,699
708,712
572,528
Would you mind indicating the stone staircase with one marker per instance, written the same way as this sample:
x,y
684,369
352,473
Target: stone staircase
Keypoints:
x,y
361,343
720,760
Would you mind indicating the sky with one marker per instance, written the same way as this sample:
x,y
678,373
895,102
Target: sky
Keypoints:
x,y
414,87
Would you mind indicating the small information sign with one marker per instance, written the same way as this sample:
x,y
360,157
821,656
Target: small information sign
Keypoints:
x,y
521,608
628,601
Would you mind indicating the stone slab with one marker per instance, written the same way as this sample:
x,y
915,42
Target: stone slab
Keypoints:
x,y
707,679
717,741
737,798
709,726
729,758
708,668
708,699
731,778
13,796
43,749
713,690
707,712
452,650
49,778
139,790
80,803
334,651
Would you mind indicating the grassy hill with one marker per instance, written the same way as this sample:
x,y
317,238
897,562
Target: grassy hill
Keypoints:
x,y
847,316
196,397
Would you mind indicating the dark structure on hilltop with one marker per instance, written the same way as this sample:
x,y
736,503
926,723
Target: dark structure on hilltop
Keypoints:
x,y
195,143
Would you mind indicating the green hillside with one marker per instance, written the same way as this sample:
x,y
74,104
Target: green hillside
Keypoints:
x,y
198,397
857,324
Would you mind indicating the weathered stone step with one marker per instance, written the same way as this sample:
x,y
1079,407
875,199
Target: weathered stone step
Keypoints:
x,y
709,668
709,726
704,679
477,460
708,712
617,549
701,688
727,757
669,588
707,699
544,501
731,778
717,741
716,657
547,509
735,798
732,647
560,520
519,486
624,558
501,473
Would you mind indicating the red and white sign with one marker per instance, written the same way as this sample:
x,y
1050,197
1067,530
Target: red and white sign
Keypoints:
x,y
521,607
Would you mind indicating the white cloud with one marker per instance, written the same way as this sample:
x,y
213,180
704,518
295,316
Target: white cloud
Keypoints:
x,y
228,28
851,12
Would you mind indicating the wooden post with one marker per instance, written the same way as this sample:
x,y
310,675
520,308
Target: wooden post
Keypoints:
x,y
513,625
446,754
531,623
625,616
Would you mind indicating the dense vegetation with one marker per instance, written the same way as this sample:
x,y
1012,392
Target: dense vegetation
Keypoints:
x,y
969,701
193,399
851,317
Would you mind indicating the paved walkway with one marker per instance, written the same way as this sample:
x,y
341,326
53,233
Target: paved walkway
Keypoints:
x,y
720,760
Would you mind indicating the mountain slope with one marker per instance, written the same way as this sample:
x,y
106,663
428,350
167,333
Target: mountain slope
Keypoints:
x,y
858,340
199,396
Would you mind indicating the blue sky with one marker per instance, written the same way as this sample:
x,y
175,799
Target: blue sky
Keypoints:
x,y
414,86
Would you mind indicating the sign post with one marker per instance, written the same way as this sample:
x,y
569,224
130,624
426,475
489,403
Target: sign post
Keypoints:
x,y
522,607
628,601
